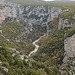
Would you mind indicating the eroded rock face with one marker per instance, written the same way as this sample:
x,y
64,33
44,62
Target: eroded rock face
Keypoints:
x,y
69,56
64,23
69,46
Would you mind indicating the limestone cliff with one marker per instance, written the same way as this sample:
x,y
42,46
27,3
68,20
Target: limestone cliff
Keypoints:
x,y
69,55
69,46
65,23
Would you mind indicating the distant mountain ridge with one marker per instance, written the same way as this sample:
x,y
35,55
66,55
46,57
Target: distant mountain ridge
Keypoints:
x,y
41,0
24,0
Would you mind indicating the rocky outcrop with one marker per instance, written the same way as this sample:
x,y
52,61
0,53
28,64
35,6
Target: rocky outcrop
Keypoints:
x,y
69,46
55,11
6,11
69,56
60,23
1,31
64,23
69,59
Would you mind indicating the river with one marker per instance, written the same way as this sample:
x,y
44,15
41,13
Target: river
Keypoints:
x,y
36,46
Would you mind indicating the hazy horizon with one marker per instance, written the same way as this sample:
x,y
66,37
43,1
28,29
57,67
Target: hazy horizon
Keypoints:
x,y
41,0
59,0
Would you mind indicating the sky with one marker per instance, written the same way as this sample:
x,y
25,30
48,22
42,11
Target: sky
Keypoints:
x,y
59,0
48,0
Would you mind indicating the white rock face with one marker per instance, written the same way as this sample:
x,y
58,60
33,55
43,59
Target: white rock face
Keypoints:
x,y
64,23
60,23
69,59
1,31
6,11
69,46
55,12
65,60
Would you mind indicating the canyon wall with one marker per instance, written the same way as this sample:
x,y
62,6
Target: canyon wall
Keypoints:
x,y
69,46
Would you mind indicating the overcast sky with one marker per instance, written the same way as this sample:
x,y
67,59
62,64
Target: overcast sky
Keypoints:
x,y
59,0
40,0
48,0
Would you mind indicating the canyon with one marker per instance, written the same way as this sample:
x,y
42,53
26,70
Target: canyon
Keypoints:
x,y
36,34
